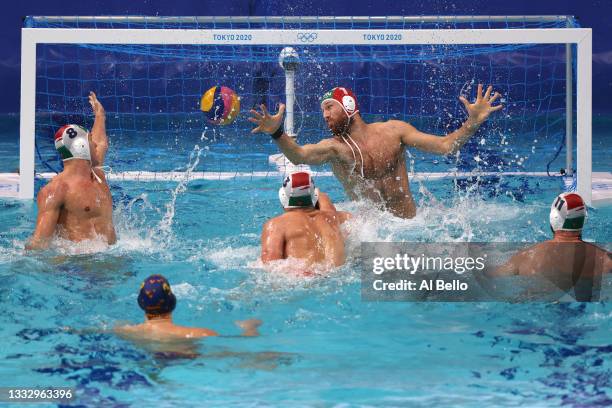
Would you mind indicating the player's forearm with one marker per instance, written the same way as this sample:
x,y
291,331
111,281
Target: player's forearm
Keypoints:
x,y
98,132
292,150
455,141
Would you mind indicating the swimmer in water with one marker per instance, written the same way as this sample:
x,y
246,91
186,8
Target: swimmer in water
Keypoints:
x,y
369,158
308,230
77,203
158,302
565,260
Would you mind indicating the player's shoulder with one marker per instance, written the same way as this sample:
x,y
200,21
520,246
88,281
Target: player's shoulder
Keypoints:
x,y
56,187
290,216
128,329
391,127
276,222
343,216
391,123
293,219
597,249
536,249
335,215
331,142
202,332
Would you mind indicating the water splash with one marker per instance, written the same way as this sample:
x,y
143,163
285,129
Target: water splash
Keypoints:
x,y
132,222
230,257
165,225
88,246
465,218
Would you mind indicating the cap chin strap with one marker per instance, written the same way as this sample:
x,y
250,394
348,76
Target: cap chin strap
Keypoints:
x,y
353,151
352,114
348,135
105,169
96,176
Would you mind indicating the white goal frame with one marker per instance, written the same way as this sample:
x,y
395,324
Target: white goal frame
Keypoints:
x,y
581,37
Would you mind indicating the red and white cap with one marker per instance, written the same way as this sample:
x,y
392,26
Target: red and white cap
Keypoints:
x,y
567,212
298,190
345,97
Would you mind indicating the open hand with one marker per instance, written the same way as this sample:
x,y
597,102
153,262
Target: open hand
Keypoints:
x,y
96,106
265,122
480,110
249,326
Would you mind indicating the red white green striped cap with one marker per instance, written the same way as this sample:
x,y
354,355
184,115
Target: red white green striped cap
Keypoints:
x,y
345,97
298,190
567,212
72,142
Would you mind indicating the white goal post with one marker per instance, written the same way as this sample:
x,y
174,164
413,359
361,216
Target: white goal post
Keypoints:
x,y
581,37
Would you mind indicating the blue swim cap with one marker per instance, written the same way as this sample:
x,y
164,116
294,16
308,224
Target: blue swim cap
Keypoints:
x,y
156,296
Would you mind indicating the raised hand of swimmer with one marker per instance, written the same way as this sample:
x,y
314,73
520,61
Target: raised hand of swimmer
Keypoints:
x,y
480,110
266,122
96,106
249,326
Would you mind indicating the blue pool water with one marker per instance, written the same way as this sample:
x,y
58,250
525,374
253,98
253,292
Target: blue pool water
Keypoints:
x,y
320,344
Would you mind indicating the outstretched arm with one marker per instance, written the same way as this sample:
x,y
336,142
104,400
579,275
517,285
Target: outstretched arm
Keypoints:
x,y
272,243
50,200
314,154
98,132
478,112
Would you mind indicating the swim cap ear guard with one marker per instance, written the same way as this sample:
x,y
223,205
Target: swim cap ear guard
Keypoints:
x,y
156,296
345,97
298,190
72,142
567,213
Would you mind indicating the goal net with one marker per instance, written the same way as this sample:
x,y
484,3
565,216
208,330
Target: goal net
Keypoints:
x,y
150,73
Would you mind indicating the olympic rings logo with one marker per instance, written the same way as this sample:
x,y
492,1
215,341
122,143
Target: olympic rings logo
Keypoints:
x,y
307,37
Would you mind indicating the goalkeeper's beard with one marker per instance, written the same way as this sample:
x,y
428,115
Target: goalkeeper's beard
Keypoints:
x,y
342,128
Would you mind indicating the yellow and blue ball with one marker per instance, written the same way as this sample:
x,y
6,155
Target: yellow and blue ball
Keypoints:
x,y
221,105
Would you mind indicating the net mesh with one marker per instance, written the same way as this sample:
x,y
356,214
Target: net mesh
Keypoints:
x,y
151,92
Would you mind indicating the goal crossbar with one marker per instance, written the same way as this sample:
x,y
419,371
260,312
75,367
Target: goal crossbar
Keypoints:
x,y
303,19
